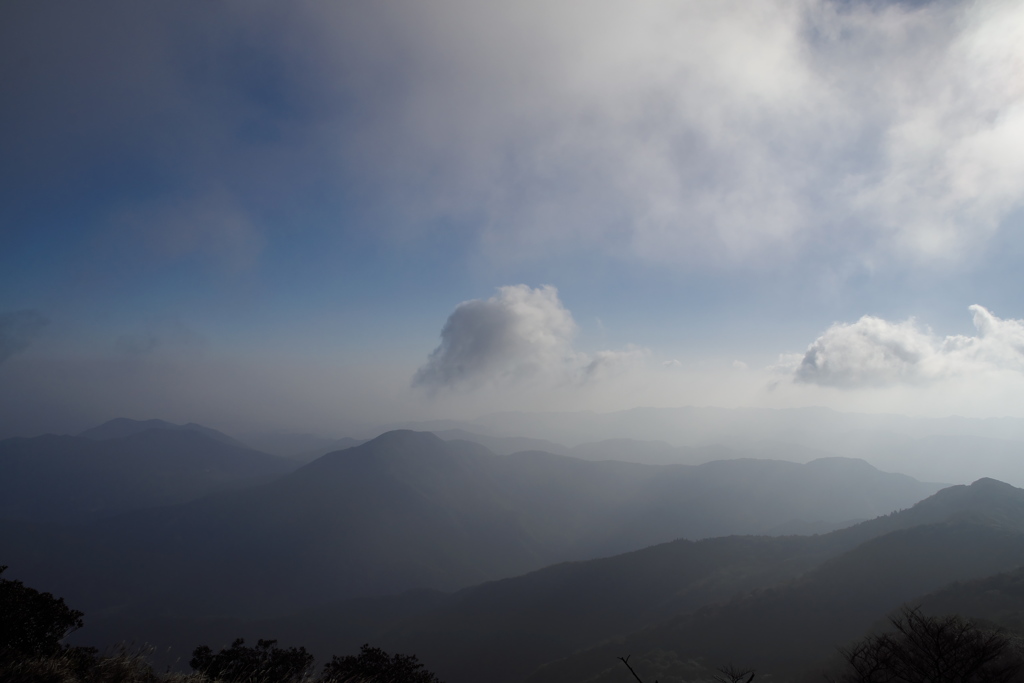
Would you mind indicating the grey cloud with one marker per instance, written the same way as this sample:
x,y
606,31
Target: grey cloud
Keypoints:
x,y
604,363
876,352
17,329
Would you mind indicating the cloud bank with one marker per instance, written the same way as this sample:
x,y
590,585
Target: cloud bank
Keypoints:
x,y
699,132
521,333
876,352
670,130
17,329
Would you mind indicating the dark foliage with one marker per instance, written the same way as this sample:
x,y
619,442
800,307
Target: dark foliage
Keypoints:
x,y
243,664
373,665
32,624
923,649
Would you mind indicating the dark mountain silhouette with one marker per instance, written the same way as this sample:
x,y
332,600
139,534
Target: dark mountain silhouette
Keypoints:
x,y
997,599
77,479
410,510
684,608
963,533
122,427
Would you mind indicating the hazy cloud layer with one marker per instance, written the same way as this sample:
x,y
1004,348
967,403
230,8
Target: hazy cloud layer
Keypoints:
x,y
520,333
876,352
679,131
688,131
17,328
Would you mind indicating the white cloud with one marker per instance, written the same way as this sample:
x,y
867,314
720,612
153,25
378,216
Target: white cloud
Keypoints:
x,y
669,130
521,333
876,352
605,363
694,131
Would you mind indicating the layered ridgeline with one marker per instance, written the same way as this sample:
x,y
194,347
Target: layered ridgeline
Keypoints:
x,y
409,510
124,465
930,449
682,609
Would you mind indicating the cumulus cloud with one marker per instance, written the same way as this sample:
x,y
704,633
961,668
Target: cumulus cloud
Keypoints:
x,y
876,352
520,333
17,329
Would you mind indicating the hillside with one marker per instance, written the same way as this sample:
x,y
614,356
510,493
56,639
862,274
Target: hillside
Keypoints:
x,y
121,427
683,608
77,479
409,510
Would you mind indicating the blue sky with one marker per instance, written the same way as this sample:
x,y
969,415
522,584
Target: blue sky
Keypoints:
x,y
260,215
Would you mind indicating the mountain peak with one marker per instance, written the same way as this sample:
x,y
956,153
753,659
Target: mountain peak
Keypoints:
x,y
991,485
405,437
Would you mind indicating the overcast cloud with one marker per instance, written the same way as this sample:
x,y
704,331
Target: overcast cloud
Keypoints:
x,y
690,131
682,132
876,352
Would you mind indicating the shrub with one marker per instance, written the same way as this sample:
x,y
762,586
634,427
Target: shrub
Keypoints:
x,y
32,624
922,649
241,664
373,665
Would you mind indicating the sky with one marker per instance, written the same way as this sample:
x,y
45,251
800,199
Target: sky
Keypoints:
x,y
311,216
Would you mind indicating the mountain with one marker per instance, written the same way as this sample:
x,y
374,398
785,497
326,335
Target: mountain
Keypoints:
x,y
780,605
962,533
503,445
930,449
122,427
683,608
409,510
300,447
77,479
939,457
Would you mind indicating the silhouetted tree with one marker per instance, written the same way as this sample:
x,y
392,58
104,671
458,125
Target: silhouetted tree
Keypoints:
x,y
727,674
625,660
373,665
241,664
32,624
734,674
924,649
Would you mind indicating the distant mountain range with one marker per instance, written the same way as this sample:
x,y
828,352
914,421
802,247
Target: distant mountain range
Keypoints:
x,y
122,427
930,449
558,564
409,510
124,465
